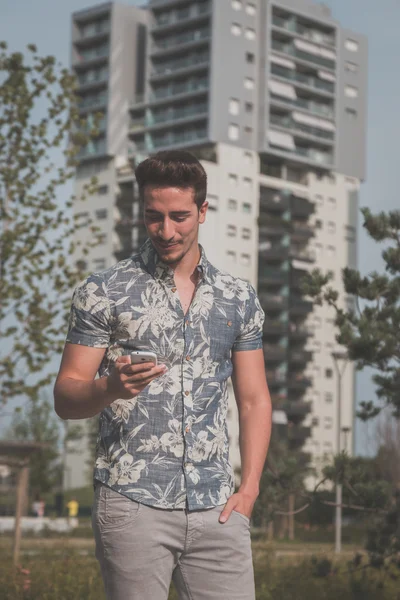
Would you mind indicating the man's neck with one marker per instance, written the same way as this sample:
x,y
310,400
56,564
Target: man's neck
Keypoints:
x,y
186,268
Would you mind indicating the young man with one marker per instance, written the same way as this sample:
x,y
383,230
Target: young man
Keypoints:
x,y
165,505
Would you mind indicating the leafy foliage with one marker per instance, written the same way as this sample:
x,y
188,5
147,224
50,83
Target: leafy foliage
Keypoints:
x,y
39,120
371,330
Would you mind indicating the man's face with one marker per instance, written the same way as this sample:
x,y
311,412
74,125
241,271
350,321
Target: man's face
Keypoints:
x,y
172,221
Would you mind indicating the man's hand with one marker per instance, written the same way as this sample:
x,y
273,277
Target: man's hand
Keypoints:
x,y
127,381
239,502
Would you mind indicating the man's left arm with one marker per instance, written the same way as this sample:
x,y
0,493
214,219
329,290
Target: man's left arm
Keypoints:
x,y
255,418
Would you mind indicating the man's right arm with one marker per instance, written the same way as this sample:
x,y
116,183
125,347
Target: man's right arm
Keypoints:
x,y
78,395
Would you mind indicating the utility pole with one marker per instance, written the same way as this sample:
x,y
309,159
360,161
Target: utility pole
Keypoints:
x,y
340,360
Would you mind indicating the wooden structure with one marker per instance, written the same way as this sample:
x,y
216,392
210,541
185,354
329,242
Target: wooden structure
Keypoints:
x,y
17,456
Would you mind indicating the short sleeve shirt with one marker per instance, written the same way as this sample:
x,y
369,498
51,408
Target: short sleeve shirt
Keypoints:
x,y
168,446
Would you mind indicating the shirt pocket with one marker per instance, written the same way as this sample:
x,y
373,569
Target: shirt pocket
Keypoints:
x,y
223,331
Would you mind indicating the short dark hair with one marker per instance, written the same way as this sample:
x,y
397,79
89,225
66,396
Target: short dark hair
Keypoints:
x,y
173,168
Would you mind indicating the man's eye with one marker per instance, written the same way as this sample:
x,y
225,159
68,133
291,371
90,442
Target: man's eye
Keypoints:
x,y
180,219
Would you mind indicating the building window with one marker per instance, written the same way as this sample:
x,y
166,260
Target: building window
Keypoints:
x,y
212,200
250,33
248,130
102,238
82,215
233,132
332,202
250,58
231,254
351,113
102,189
248,182
246,208
351,45
351,91
251,9
328,373
318,250
237,4
99,263
331,227
350,67
248,158
233,180
328,422
232,204
331,251
318,224
248,107
245,260
249,83
231,230
319,200
234,106
246,233
350,233
236,29
101,213
328,397
331,178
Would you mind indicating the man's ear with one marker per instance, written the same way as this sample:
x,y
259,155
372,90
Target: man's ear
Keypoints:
x,y
203,211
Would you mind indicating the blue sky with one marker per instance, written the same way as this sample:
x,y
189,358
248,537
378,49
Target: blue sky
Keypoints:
x,y
47,24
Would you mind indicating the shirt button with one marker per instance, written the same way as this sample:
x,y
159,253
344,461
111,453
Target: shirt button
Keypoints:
x,y
229,323
187,428
187,393
173,290
188,357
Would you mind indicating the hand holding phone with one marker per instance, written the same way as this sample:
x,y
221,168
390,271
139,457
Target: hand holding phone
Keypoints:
x,y
129,377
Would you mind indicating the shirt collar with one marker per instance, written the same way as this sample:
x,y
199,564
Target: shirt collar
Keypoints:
x,y
160,270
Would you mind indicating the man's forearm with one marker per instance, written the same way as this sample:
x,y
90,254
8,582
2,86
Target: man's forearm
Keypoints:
x,y
74,399
255,433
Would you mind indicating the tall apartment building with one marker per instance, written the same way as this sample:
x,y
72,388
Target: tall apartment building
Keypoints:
x,y
271,96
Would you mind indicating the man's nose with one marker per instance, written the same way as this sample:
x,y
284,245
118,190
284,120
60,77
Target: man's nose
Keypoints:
x,y
167,229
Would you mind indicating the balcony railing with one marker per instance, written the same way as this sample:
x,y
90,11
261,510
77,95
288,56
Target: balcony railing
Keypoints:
x,y
316,156
93,29
297,128
273,301
307,32
275,252
184,14
316,108
306,255
298,306
274,352
93,101
308,80
302,55
172,90
274,326
167,68
92,53
181,39
177,138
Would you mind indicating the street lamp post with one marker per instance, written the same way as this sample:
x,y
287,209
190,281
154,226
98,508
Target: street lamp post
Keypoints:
x,y
339,357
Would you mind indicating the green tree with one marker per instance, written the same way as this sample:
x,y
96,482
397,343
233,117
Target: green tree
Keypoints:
x,y
39,123
370,331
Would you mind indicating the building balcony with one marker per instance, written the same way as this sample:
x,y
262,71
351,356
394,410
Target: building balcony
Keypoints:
x,y
273,302
179,92
301,231
298,151
271,277
301,130
302,55
272,252
309,83
297,435
298,383
181,42
274,327
91,57
301,207
272,200
296,411
307,32
271,225
179,116
299,332
300,307
94,37
126,224
274,353
297,278
275,379
307,255
183,138
190,68
299,357
316,108
181,19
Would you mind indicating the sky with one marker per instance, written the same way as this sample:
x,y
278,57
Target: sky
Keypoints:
x,y
47,24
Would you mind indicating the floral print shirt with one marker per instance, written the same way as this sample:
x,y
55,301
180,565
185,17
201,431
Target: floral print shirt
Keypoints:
x,y
168,446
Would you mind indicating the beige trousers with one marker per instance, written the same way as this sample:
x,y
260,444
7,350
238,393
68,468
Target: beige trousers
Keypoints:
x,y
141,548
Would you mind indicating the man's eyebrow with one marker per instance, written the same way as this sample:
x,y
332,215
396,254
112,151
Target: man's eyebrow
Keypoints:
x,y
151,211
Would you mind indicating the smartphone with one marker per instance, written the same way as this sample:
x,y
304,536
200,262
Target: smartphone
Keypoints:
x,y
142,356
